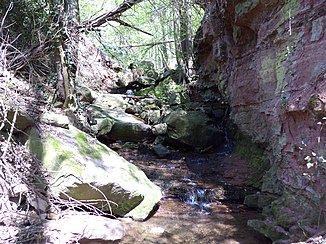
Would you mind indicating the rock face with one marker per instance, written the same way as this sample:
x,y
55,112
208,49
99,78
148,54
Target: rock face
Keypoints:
x,y
87,170
267,59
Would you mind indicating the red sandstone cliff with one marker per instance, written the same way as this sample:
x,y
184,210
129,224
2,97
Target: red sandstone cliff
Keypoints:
x,y
268,60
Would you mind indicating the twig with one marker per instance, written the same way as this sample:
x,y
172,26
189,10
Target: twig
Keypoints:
x,y
151,44
11,5
10,134
121,22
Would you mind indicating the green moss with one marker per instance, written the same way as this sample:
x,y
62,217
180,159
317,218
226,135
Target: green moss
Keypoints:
x,y
280,70
35,144
86,148
290,8
245,7
55,156
256,157
81,139
250,151
55,143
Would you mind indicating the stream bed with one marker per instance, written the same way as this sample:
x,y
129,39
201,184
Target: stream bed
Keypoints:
x,y
202,199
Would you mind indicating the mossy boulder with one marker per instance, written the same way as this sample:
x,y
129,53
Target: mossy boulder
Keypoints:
x,y
193,128
85,169
269,229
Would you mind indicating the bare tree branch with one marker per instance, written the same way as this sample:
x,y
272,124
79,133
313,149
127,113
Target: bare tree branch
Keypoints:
x,y
151,44
112,15
121,22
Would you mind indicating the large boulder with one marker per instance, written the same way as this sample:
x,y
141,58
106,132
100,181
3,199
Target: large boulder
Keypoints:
x,y
86,170
193,128
118,125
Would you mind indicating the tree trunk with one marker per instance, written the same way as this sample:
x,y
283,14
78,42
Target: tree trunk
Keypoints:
x,y
65,17
182,32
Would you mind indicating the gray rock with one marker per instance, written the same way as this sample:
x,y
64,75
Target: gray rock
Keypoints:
x,y
110,101
252,200
85,169
160,129
151,116
259,200
161,151
193,128
83,227
118,125
269,229
266,199
85,94
54,119
127,127
23,120
271,184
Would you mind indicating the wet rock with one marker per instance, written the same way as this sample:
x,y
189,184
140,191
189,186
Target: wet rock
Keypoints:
x,y
85,169
193,128
161,151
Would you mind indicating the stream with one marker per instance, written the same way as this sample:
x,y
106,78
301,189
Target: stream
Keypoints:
x,y
202,199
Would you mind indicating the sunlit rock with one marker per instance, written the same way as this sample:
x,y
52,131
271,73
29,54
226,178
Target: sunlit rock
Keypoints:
x,y
83,227
87,170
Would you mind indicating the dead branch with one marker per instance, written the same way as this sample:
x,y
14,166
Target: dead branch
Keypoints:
x,y
110,16
10,135
121,22
151,44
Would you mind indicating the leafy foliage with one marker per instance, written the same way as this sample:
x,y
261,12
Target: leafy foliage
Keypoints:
x,y
129,45
28,19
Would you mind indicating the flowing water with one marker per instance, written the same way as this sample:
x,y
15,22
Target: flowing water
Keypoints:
x,y
199,205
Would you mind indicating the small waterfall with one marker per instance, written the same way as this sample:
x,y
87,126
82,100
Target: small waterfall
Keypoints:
x,y
196,197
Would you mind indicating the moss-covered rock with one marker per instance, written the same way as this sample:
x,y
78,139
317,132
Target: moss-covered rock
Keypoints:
x,y
193,128
269,229
87,170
